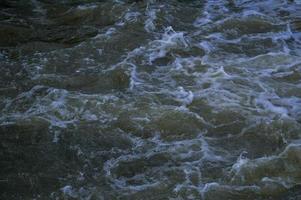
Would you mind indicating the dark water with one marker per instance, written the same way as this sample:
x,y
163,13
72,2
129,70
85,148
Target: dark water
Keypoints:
x,y
150,99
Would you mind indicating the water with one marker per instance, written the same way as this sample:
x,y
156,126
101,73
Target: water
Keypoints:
x,y
150,99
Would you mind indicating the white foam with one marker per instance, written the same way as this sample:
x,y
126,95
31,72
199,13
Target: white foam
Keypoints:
x,y
110,31
176,150
207,187
248,13
69,191
86,7
134,80
241,161
87,115
207,46
298,2
149,24
132,16
185,97
170,40
56,137
263,100
181,64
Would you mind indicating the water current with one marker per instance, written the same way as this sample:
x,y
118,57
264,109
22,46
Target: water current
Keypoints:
x,y
150,99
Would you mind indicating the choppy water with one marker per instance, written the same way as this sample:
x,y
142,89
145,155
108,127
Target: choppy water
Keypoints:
x,y
150,99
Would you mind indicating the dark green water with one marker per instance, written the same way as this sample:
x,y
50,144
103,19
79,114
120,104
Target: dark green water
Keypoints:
x,y
150,99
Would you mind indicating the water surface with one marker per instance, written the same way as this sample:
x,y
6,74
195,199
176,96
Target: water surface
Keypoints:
x,y
150,99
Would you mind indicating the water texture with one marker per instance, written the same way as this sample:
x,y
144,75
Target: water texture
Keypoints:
x,y
150,99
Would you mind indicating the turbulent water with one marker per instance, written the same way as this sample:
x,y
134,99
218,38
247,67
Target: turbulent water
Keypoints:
x,y
150,99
